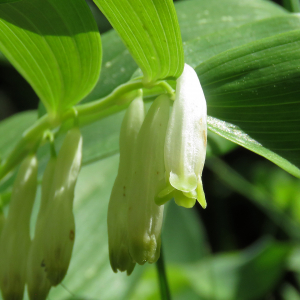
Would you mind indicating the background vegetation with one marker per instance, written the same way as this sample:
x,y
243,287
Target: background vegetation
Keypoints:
x,y
245,245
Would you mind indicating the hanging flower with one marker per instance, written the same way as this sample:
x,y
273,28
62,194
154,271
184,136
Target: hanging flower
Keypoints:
x,y
185,146
15,237
144,215
37,283
59,224
117,210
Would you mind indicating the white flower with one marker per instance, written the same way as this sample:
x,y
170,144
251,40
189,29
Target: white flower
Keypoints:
x,y
59,224
185,146
15,238
117,210
148,178
37,282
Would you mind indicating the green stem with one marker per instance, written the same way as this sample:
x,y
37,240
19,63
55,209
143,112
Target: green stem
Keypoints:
x,y
292,5
163,282
85,114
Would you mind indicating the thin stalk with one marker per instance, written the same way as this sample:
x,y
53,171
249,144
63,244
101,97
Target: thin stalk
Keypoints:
x,y
162,277
292,5
84,114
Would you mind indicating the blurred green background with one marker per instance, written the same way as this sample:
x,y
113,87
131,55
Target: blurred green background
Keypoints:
x,y
245,245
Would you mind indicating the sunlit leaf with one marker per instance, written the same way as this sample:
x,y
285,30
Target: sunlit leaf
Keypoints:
x,y
151,32
244,275
204,47
55,45
254,89
200,18
8,1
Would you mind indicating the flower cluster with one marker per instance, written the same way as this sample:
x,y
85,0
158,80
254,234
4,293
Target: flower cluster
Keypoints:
x,y
44,261
161,157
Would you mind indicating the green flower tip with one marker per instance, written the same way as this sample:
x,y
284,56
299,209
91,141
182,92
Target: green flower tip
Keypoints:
x,y
185,147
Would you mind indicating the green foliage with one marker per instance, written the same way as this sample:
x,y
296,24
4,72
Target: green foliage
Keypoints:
x,y
246,54
150,31
8,1
55,45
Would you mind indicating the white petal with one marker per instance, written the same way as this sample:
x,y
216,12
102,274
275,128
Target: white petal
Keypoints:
x,y
59,222
117,209
185,147
144,216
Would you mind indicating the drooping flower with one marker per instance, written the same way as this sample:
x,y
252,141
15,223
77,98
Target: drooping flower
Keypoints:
x,y
37,283
117,210
148,177
15,237
185,147
59,224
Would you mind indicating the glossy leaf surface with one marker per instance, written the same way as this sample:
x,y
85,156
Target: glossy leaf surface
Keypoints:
x,y
151,32
55,45
256,88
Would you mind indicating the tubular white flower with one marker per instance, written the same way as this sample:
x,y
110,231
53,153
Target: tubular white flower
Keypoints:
x,y
59,229
37,282
118,204
144,216
15,237
185,147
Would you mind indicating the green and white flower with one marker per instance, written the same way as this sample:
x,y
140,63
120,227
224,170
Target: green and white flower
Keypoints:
x,y
144,215
15,236
185,147
59,230
37,283
117,210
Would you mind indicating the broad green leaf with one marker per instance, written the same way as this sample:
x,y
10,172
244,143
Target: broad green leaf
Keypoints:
x,y
8,1
196,18
240,137
245,275
117,66
151,32
255,88
55,45
199,18
204,47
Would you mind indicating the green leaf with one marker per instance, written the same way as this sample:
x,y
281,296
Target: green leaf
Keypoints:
x,y
55,45
265,200
246,275
183,237
236,135
8,1
12,129
254,89
199,18
118,65
151,32
204,47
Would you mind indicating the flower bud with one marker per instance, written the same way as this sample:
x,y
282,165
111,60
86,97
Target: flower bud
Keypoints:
x,y
144,216
185,146
15,236
37,283
118,204
59,229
